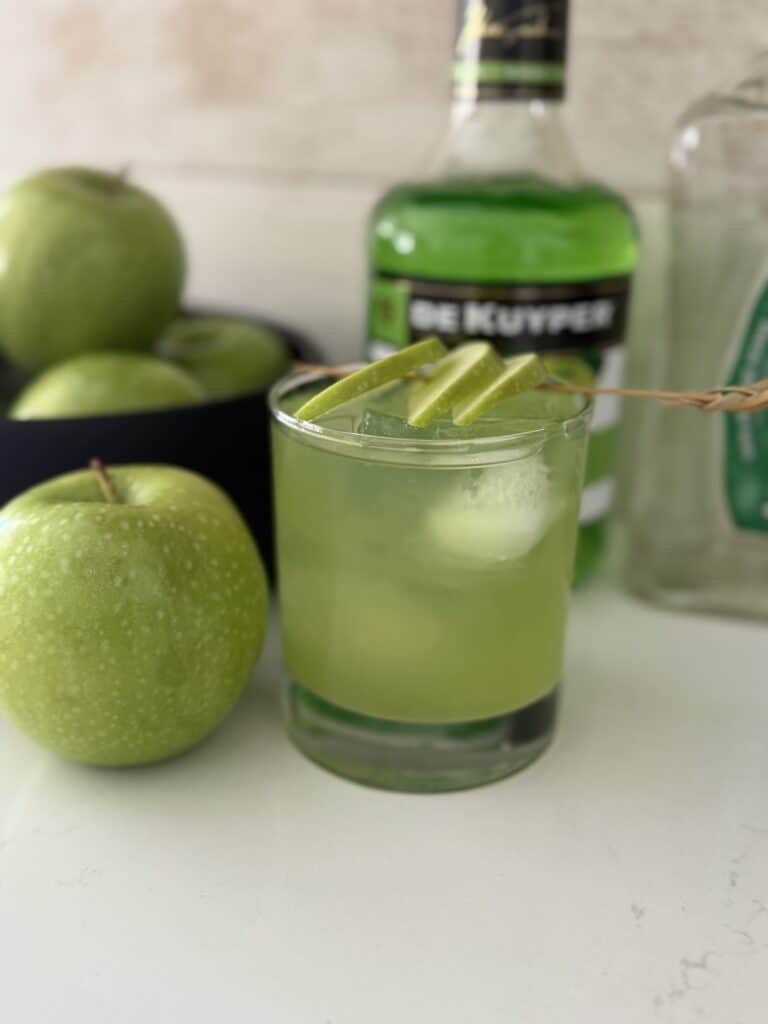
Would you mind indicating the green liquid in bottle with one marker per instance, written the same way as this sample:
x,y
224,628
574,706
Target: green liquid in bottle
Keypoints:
x,y
519,229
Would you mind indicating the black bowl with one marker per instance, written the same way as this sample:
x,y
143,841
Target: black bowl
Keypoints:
x,y
226,441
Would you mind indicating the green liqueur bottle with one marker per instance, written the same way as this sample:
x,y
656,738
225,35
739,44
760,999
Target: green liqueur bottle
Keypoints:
x,y
506,240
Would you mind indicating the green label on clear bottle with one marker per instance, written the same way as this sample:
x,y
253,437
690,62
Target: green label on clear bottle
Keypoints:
x,y
746,434
510,49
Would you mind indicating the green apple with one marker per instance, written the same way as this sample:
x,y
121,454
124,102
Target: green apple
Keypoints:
x,y
134,606
105,383
228,357
88,262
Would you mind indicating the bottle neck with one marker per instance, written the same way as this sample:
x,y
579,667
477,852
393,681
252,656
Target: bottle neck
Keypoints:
x,y
508,138
508,83
510,50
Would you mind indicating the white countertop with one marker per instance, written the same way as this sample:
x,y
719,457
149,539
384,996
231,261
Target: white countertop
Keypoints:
x,y
623,879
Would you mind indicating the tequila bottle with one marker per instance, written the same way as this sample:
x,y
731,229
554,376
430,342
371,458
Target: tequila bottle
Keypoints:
x,y
507,241
699,524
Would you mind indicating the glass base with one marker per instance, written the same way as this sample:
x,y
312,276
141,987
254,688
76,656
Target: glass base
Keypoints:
x,y
418,758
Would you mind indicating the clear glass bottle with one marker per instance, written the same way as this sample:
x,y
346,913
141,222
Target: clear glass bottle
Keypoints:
x,y
506,240
699,514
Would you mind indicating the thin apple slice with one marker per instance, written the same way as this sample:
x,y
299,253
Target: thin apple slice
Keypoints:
x,y
520,373
459,375
384,371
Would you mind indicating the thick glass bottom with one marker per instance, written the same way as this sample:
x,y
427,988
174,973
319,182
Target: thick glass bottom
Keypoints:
x,y
418,758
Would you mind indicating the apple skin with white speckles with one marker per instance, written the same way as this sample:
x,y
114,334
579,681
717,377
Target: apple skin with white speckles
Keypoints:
x,y
89,262
128,630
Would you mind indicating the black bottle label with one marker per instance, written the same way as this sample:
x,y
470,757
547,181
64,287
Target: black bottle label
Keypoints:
x,y
515,318
510,49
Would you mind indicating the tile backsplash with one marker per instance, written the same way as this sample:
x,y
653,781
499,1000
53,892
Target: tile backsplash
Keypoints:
x,y
332,89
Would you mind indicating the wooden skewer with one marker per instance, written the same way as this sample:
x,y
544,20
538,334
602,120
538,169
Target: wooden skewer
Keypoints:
x,y
746,398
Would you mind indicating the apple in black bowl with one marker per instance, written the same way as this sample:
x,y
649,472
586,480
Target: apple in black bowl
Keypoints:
x,y
100,358
225,439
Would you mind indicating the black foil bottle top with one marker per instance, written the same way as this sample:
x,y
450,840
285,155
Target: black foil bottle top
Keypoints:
x,y
510,50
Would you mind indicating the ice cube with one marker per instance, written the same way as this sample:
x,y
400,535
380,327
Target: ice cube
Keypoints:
x,y
386,424
498,513
541,406
352,415
383,424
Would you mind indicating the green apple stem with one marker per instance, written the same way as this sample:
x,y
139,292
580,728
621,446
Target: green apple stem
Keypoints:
x,y
105,482
121,176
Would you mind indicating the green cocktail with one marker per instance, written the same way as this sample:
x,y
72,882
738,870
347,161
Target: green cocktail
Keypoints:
x,y
424,578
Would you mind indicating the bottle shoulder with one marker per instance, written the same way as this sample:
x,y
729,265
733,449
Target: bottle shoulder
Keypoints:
x,y
718,149
503,228
520,191
746,99
717,108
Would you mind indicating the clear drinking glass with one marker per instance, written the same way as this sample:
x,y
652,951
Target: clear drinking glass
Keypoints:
x,y
424,586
